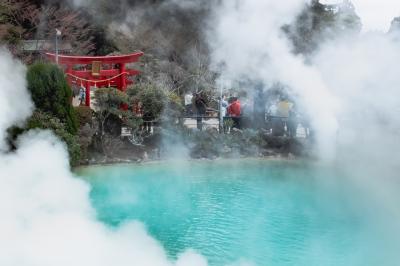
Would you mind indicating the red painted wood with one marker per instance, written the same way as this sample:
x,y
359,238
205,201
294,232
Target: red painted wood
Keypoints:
x,y
87,97
122,70
85,60
104,74
115,74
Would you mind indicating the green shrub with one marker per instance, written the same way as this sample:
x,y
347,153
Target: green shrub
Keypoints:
x,y
84,115
175,105
51,93
153,99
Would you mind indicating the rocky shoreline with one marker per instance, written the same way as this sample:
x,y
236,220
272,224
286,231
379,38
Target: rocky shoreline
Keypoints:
x,y
280,148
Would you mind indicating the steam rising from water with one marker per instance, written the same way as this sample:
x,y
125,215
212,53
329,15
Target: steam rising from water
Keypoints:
x,y
45,214
248,42
15,104
368,143
350,91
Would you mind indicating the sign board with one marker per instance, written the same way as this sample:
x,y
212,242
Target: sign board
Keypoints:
x,y
96,68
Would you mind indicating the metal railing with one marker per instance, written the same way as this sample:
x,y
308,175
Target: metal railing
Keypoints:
x,y
274,125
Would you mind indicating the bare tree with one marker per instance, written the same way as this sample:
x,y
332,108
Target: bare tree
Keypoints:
x,y
22,20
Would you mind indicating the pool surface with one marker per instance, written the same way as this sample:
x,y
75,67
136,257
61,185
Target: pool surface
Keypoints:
x,y
253,212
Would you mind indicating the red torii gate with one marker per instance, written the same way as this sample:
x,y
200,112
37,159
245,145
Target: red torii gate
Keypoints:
x,y
105,71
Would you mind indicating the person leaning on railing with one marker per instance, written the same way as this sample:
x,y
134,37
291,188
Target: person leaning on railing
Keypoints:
x,y
201,108
287,115
234,111
189,103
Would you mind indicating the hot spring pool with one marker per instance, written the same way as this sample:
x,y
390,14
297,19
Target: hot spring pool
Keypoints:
x,y
253,211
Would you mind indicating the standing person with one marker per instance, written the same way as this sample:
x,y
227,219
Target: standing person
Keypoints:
x,y
259,109
234,111
201,108
292,123
284,108
188,103
224,105
306,124
82,96
222,112
246,112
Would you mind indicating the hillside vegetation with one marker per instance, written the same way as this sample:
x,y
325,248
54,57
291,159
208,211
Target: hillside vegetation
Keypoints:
x,y
173,36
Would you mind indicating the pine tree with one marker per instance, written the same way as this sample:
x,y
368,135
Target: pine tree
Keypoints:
x,y
318,23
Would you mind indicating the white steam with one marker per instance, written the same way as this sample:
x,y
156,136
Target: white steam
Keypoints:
x,y
15,104
363,74
45,214
248,42
350,89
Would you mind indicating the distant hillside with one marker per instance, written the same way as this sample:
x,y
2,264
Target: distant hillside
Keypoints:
x,y
172,33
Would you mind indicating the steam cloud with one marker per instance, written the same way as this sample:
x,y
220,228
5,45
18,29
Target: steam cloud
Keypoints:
x,y
346,77
45,214
350,90
13,95
248,41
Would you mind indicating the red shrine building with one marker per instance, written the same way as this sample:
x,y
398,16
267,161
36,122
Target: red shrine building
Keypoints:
x,y
97,71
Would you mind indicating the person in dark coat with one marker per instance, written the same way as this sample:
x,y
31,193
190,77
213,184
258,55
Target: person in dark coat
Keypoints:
x,y
259,108
201,108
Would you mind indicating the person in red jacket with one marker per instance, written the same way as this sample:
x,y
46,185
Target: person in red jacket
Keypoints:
x,y
234,108
234,111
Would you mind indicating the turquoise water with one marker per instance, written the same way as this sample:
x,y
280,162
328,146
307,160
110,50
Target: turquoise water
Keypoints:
x,y
255,211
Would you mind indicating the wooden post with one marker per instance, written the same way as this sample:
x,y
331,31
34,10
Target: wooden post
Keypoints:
x,y
68,71
122,69
87,97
